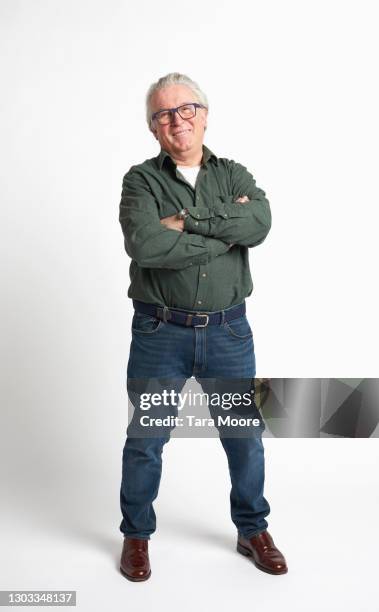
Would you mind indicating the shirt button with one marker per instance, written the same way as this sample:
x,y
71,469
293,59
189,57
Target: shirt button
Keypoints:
x,y
196,223
199,301
203,274
198,215
226,216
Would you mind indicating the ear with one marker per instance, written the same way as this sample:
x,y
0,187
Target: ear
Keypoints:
x,y
205,111
154,132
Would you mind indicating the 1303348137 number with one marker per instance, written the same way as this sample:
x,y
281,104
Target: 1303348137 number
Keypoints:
x,y
65,598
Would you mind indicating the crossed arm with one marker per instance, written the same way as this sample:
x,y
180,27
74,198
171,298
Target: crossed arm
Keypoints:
x,y
243,220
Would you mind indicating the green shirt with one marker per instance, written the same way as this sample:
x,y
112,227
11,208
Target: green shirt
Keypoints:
x,y
196,269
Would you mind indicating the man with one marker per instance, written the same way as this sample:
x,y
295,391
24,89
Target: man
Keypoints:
x,y
188,219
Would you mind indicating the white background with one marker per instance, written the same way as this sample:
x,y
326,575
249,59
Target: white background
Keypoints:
x,y
292,88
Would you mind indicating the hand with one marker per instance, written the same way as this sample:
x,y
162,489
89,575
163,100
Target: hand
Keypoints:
x,y
243,199
173,222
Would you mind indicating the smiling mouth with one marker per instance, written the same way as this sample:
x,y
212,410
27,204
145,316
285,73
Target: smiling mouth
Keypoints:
x,y
181,132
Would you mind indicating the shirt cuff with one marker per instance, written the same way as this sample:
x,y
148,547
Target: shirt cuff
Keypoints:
x,y
199,219
194,225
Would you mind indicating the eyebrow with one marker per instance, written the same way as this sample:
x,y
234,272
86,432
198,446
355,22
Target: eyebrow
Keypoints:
x,y
166,109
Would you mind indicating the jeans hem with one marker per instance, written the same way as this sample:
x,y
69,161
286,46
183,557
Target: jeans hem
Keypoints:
x,y
251,534
136,535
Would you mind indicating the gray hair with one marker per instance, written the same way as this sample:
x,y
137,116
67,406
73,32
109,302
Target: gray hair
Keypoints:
x,y
173,78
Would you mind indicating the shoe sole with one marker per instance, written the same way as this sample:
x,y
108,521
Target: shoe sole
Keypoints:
x,y
247,553
135,579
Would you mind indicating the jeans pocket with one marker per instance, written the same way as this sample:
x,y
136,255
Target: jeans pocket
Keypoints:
x,y
145,324
239,328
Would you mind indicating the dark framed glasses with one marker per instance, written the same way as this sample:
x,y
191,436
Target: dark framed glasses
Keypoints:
x,y
185,111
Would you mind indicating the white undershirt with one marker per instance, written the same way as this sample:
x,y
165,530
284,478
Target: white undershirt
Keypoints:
x,y
190,173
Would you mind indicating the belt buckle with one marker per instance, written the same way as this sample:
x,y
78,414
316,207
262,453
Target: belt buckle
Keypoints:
x,y
200,314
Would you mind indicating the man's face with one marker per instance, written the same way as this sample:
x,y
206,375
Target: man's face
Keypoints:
x,y
181,135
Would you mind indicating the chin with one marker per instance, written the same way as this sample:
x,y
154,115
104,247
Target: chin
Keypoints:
x,y
183,146
188,141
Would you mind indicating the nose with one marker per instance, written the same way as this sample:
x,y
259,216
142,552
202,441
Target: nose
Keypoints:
x,y
176,118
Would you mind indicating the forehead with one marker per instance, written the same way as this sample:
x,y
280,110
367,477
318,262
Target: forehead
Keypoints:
x,y
171,97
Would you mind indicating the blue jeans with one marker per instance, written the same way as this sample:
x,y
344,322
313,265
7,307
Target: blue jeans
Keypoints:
x,y
169,351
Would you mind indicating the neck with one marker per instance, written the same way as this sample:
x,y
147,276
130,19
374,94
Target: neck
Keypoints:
x,y
187,158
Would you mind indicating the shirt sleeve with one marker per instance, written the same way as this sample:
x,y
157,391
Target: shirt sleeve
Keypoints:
x,y
150,243
246,224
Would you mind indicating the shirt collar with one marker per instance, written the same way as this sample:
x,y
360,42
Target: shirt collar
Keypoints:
x,y
207,155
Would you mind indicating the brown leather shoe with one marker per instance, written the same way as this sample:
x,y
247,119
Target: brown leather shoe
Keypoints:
x,y
135,564
264,553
